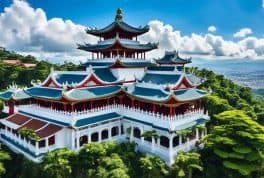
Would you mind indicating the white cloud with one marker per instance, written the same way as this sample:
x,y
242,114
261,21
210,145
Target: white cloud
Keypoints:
x,y
28,30
243,32
212,29
196,44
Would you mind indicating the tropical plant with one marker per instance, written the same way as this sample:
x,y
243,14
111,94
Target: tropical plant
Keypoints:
x,y
185,163
153,167
29,133
3,156
238,141
56,164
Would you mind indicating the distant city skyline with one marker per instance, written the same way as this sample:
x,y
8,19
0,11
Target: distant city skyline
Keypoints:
x,y
51,29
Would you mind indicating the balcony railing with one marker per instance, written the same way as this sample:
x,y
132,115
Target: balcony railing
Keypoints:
x,y
152,117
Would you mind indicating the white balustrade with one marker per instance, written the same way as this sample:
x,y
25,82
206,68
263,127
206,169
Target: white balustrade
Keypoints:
x,y
137,113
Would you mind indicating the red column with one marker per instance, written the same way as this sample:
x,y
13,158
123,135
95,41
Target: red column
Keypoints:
x,y
65,107
72,107
121,100
84,106
11,107
170,111
132,103
91,104
154,108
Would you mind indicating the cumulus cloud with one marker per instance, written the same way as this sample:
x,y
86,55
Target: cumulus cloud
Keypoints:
x,y
28,30
196,44
212,29
243,32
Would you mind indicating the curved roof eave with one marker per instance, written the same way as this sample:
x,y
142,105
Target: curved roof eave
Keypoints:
x,y
120,24
67,96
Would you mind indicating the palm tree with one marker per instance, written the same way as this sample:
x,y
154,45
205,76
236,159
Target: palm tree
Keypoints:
x,y
3,156
185,163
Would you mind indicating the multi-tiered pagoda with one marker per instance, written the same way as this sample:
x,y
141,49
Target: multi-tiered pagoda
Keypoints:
x,y
119,96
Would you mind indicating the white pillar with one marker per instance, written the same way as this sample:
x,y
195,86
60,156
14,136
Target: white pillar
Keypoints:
x,y
119,129
180,139
152,143
78,140
46,144
188,143
100,136
89,137
72,140
171,143
197,134
36,147
142,138
131,133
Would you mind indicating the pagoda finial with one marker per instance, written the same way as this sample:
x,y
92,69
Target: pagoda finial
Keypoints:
x,y
118,16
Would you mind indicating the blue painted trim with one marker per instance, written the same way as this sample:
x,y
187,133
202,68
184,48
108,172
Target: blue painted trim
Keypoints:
x,y
21,147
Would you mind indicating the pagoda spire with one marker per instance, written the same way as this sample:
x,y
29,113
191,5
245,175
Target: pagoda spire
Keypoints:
x,y
119,16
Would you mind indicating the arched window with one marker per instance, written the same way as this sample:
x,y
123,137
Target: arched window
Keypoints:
x,y
176,141
114,131
104,134
136,132
164,141
83,140
94,137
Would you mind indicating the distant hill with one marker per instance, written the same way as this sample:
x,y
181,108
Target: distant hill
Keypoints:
x,y
259,92
8,55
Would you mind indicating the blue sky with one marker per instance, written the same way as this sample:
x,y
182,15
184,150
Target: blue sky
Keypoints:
x,y
51,28
187,15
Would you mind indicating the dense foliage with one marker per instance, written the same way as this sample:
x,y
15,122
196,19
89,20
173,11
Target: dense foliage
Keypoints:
x,y
233,148
23,76
238,141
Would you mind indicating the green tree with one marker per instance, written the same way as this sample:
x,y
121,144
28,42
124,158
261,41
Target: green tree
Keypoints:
x,y
152,167
3,156
56,163
238,141
112,167
185,163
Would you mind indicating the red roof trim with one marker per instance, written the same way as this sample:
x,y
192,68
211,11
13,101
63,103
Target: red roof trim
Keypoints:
x,y
49,130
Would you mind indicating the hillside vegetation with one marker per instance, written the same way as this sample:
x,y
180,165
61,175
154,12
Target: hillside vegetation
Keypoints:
x,y
234,147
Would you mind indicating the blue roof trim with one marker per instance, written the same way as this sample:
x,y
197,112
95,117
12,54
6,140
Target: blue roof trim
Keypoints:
x,y
95,119
172,57
49,93
70,78
147,123
189,94
162,79
105,74
124,26
103,90
21,147
46,119
6,95
150,93
162,68
91,93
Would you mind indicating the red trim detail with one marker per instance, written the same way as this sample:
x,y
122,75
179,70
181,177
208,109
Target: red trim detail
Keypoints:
x,y
185,82
50,80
